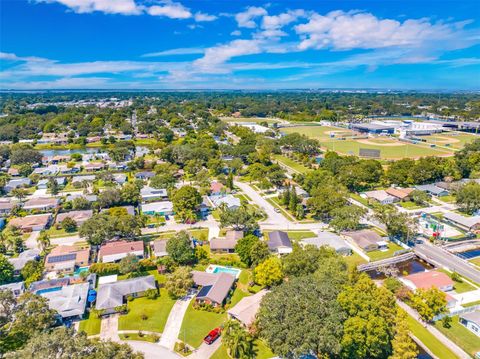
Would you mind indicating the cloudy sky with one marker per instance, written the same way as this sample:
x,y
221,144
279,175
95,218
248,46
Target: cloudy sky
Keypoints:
x,y
151,44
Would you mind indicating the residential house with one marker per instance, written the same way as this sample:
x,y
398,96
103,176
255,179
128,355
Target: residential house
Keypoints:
x,y
6,207
381,196
43,183
471,321
12,171
402,194
229,201
19,262
41,204
429,279
85,178
331,240
365,239
466,223
65,259
432,190
94,166
159,247
151,194
64,169
279,242
78,216
245,311
31,223
164,208
217,188
112,295
88,197
215,287
120,178
226,244
17,183
17,288
70,301
50,170
115,251
145,175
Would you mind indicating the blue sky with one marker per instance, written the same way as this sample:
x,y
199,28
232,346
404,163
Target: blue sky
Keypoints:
x,y
151,44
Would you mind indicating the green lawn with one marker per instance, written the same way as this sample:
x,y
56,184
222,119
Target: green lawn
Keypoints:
x,y
360,199
475,261
296,166
427,338
448,199
456,140
410,205
57,233
91,325
460,287
354,260
471,304
295,235
197,324
262,351
199,233
460,335
135,336
156,310
378,255
274,202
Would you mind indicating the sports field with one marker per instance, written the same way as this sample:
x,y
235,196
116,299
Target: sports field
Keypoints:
x,y
454,140
249,119
390,148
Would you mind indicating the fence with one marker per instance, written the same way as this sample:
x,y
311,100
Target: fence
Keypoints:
x,y
454,312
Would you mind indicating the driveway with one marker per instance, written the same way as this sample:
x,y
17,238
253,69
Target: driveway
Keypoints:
x,y
31,242
152,351
174,322
109,328
205,350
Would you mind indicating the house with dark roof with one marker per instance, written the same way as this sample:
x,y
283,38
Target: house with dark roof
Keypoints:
x,y
432,190
279,242
215,288
471,321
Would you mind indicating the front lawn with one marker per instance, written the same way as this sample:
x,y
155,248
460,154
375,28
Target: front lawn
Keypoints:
x,y
354,260
91,325
378,255
295,235
197,324
460,335
156,312
294,165
410,205
260,348
151,338
58,233
459,287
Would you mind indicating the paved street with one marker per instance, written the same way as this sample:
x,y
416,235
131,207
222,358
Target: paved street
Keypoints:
x,y
206,351
448,260
174,322
152,351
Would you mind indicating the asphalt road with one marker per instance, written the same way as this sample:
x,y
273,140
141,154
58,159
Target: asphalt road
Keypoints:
x,y
448,260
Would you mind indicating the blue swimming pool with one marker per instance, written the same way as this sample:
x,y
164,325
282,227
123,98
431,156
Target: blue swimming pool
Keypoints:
x,y
80,270
233,271
48,290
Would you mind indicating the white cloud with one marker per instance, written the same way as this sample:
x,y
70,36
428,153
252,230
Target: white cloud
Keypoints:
x,y
200,16
170,9
124,7
12,57
344,31
278,21
245,19
179,51
236,33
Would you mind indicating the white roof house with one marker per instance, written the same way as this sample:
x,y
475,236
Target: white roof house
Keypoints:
x,y
150,193
229,200
246,309
162,208
381,196
468,223
331,240
70,301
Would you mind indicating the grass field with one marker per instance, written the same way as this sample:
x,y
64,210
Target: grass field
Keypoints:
x,y
354,260
460,335
295,166
378,255
454,139
390,148
91,325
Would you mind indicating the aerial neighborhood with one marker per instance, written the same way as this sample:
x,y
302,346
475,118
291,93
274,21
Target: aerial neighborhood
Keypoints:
x,y
165,231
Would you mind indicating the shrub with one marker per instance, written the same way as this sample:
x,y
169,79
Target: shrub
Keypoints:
x,y
151,294
102,269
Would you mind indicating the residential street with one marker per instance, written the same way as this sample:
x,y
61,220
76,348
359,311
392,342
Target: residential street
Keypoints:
x,y
205,350
152,350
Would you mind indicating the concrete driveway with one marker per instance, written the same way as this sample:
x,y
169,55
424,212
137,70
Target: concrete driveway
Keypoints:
x,y
152,351
109,328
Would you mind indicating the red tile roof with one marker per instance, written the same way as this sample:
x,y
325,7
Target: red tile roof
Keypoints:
x,y
427,280
120,247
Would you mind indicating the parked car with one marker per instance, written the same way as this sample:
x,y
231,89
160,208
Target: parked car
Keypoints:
x,y
212,336
277,210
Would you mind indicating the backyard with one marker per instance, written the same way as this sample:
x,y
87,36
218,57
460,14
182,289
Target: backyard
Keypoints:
x,y
378,255
460,335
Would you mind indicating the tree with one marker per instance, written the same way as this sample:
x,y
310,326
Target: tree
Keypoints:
x,y
179,248
11,238
165,180
468,197
43,240
185,200
269,272
403,346
69,225
103,227
129,264
241,219
130,194
24,153
429,302
6,270
66,343
347,218
244,248
179,282
237,340
20,193
302,316
371,318
80,203
53,186
399,225
325,200
230,180
419,197
259,251
32,271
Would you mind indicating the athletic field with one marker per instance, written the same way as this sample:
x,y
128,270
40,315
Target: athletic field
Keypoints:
x,y
454,140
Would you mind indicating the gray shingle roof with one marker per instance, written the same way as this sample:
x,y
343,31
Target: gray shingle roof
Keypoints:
x,y
278,239
111,295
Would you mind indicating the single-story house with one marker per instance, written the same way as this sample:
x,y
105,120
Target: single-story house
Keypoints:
x,y
43,184
64,259
31,223
246,309
70,301
16,183
64,169
466,223
46,171
145,175
401,194
12,171
471,321
381,196
217,188
150,193
279,242
329,239
365,239
115,251
95,166
163,208
78,216
6,207
19,262
80,179
88,197
120,178
41,204
17,288
433,190
429,279
226,244
159,247
112,295
215,287
228,200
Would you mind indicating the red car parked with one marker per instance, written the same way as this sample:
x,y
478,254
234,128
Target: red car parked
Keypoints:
x,y
212,336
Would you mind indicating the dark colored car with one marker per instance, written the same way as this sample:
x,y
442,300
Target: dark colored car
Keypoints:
x,y
212,336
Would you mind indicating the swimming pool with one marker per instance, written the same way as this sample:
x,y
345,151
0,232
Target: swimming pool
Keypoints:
x,y
80,270
48,290
221,269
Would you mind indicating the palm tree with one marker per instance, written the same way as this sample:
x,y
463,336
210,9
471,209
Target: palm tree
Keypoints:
x,y
238,342
43,240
